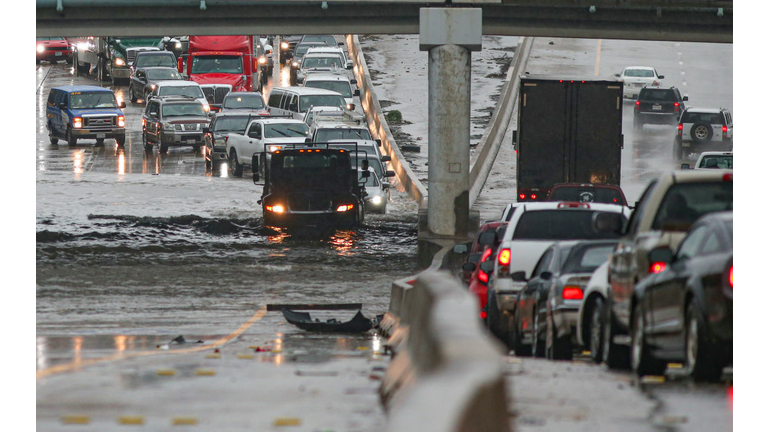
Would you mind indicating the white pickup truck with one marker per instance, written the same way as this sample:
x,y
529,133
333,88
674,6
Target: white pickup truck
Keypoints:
x,y
262,134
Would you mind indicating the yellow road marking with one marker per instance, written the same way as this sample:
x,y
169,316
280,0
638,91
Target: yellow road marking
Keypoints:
x,y
597,63
76,419
177,421
122,356
130,420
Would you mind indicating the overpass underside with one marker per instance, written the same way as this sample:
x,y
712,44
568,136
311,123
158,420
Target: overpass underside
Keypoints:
x,y
682,20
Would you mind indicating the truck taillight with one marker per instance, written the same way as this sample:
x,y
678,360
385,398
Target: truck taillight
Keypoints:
x,y
637,105
680,129
504,257
677,106
521,196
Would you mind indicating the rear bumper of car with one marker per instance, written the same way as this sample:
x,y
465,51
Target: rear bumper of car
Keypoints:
x,y
658,117
566,318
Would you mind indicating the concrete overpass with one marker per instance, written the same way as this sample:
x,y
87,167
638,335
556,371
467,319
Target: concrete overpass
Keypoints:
x,y
668,20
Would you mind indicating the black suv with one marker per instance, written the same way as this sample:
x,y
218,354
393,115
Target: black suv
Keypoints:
x,y
658,105
143,81
174,121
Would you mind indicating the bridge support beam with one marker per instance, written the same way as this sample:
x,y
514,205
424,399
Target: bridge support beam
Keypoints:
x,y
449,35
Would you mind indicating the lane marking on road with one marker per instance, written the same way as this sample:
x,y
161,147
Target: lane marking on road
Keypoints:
x,y
597,63
78,364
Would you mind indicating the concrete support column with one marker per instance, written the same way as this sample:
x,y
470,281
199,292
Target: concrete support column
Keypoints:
x,y
449,113
449,34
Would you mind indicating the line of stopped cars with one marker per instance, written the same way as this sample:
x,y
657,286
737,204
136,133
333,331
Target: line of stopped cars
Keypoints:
x,y
309,144
635,288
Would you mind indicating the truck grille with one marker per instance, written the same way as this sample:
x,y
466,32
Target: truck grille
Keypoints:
x,y
217,91
100,121
191,126
308,202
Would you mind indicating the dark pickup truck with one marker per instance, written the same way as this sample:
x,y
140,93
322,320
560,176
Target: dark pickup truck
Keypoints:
x,y
311,184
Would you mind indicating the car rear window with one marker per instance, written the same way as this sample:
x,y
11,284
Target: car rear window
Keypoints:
x,y
694,117
587,194
717,161
232,124
191,91
325,135
686,202
558,224
587,259
640,73
658,95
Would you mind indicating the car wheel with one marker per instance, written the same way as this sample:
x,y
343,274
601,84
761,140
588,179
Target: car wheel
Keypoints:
x,y
537,347
235,169
641,360
131,96
558,348
120,140
701,132
702,362
147,145
163,148
521,350
677,150
615,356
596,331
494,319
52,138
71,140
99,142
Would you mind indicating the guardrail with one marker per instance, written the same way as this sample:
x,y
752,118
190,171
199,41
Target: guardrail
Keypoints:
x,y
446,374
408,181
489,144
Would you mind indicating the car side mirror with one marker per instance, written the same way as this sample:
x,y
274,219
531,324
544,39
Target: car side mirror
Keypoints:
x,y
546,275
487,266
386,158
122,104
604,222
378,142
685,98
661,255
685,166
349,64
518,276
364,165
661,76
356,93
365,174
468,267
460,248
389,173
617,75
353,81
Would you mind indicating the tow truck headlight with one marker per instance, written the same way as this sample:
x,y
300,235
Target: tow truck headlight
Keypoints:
x,y
121,121
274,148
77,122
119,62
40,48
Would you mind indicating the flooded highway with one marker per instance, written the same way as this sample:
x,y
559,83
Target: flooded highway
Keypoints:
x,y
135,249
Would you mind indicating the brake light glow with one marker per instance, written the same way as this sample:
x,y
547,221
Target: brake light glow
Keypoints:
x,y
572,292
504,256
533,196
730,277
343,208
680,129
728,177
725,130
657,267
482,276
677,106
483,314
121,121
573,205
637,105
277,208
77,122
486,254
522,196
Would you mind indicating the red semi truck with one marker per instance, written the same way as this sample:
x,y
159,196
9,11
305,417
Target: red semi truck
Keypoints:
x,y
221,64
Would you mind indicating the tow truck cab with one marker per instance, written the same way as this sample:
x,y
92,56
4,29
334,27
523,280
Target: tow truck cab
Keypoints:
x,y
312,184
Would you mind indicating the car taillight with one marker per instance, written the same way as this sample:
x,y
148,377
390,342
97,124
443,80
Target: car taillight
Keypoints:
x,y
680,129
482,276
533,196
226,138
637,105
77,122
486,254
728,177
677,106
521,196
483,314
343,208
725,130
730,277
504,257
143,122
657,267
572,292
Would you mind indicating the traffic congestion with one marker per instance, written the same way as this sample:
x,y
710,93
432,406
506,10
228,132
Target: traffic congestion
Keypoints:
x,y
606,235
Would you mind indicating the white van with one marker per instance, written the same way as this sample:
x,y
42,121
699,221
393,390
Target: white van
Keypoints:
x,y
295,101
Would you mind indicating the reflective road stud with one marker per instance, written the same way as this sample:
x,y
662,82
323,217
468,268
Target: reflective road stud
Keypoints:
x,y
166,372
205,372
287,421
213,356
245,356
184,421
